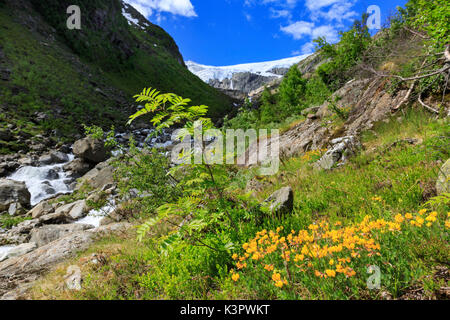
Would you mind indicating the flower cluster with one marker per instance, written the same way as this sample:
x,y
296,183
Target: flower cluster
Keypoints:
x,y
323,250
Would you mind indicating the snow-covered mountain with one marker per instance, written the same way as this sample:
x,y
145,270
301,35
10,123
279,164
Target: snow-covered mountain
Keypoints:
x,y
265,69
243,77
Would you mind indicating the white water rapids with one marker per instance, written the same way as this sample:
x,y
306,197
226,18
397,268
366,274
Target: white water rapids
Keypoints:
x,y
43,182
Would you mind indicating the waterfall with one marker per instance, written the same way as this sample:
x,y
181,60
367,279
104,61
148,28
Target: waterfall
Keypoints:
x,y
43,182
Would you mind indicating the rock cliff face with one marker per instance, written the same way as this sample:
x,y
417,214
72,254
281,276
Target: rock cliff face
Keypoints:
x,y
367,102
243,81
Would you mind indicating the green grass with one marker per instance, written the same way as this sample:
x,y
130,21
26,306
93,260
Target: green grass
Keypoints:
x,y
44,80
401,175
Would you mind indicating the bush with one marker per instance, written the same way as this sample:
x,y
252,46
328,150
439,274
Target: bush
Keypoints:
x,y
344,55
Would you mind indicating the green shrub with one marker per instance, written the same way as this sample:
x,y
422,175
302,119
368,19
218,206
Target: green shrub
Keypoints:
x,y
344,55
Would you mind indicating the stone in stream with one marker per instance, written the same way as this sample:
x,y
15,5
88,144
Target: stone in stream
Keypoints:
x,y
92,150
52,175
13,192
59,157
45,160
77,168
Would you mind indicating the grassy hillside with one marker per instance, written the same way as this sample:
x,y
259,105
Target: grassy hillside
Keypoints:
x,y
86,76
391,177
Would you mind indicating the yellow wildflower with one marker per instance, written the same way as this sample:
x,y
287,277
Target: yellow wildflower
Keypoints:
x,y
276,277
235,277
330,273
268,267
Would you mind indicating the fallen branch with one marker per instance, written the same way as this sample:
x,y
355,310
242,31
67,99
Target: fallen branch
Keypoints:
x,y
405,98
426,106
408,94
440,71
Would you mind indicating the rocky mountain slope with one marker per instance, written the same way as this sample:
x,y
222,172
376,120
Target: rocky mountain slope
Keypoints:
x,y
246,77
53,79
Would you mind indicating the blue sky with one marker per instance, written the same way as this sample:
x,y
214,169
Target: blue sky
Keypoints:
x,y
226,32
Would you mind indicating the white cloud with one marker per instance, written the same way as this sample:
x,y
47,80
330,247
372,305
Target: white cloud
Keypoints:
x,y
339,11
318,4
308,48
274,13
281,3
299,29
176,7
327,32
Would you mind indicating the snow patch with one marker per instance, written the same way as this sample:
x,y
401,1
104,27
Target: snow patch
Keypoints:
x,y
131,20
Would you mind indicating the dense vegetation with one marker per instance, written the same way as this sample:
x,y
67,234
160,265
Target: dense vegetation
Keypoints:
x,y
202,236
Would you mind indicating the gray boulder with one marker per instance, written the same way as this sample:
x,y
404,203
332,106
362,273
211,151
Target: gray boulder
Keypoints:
x,y
16,209
40,210
30,266
74,211
13,192
52,175
73,278
49,233
19,250
100,176
442,183
77,167
91,150
338,153
46,159
281,202
59,157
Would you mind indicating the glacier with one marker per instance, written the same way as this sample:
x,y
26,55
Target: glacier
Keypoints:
x,y
207,73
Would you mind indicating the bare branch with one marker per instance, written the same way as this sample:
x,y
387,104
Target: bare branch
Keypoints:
x,y
405,98
408,94
426,106
416,33
440,71
445,87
